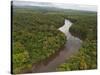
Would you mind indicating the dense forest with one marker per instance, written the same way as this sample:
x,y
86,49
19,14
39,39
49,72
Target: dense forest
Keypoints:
x,y
35,37
85,28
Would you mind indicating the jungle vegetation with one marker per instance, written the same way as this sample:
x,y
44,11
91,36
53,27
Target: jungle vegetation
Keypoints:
x,y
85,27
35,36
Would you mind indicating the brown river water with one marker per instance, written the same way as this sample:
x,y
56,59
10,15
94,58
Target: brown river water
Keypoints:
x,y
71,47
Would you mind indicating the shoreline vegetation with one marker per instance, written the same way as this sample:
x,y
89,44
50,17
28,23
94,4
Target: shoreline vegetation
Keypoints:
x,y
35,37
70,47
86,58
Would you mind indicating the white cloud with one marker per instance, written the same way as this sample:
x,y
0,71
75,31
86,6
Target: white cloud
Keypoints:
x,y
59,5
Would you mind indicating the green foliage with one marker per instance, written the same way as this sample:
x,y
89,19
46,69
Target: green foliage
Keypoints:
x,y
35,38
20,57
86,58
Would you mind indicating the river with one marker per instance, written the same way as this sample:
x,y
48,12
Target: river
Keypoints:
x,y
72,46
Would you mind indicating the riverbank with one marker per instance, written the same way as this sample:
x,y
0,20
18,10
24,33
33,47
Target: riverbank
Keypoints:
x,y
71,46
86,58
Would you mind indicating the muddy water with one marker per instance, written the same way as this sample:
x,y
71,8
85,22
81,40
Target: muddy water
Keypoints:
x,y
72,46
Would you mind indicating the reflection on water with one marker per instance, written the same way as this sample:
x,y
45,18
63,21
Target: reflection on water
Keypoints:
x,y
72,46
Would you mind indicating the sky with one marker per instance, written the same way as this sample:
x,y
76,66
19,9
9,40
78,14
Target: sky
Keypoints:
x,y
58,5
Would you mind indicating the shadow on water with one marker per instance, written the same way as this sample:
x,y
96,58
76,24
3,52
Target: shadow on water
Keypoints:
x,y
71,46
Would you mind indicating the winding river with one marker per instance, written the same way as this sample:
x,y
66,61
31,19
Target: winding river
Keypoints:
x,y
72,46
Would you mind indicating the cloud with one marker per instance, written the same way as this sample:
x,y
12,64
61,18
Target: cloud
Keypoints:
x,y
58,5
